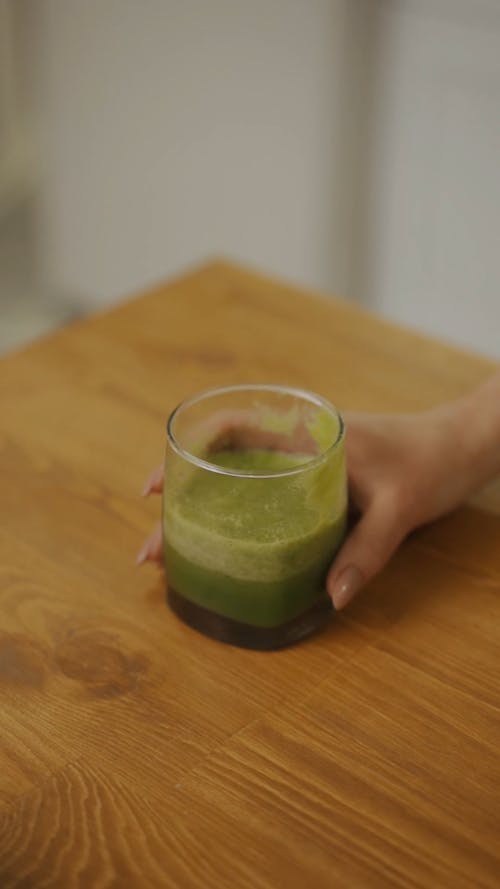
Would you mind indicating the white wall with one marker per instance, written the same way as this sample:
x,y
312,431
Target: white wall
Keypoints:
x,y
177,130
351,145
430,246
17,155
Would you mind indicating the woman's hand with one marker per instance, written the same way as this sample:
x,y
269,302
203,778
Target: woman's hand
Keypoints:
x,y
407,470
404,470
151,550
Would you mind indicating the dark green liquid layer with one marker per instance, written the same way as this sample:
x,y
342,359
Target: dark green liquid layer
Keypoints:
x,y
262,604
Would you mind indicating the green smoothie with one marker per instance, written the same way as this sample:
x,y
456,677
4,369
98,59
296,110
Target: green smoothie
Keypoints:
x,y
254,549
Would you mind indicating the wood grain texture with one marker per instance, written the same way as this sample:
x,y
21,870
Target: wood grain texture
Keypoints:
x,y
134,752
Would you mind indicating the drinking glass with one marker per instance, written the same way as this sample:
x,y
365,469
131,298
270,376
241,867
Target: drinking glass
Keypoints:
x,y
254,510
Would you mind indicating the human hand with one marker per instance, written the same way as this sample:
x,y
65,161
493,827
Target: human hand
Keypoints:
x,y
409,469
404,470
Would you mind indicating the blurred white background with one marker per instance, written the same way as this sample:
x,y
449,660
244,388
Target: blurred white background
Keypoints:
x,y
349,145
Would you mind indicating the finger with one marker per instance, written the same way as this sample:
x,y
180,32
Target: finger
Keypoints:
x,y
367,549
154,484
151,550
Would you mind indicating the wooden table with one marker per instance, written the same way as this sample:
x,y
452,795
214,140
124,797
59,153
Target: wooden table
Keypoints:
x,y
137,753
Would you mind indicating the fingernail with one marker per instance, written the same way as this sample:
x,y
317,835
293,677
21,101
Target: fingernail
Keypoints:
x,y
148,485
142,555
154,481
346,587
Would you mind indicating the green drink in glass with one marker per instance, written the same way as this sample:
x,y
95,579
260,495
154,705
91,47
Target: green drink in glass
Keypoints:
x,y
254,511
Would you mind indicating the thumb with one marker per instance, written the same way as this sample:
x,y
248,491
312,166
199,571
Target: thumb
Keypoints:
x,y
365,552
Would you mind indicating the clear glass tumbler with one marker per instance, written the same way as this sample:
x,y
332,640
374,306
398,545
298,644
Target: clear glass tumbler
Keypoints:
x,y
254,509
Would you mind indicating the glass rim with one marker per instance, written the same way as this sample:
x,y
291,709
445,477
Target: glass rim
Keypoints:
x,y
297,392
